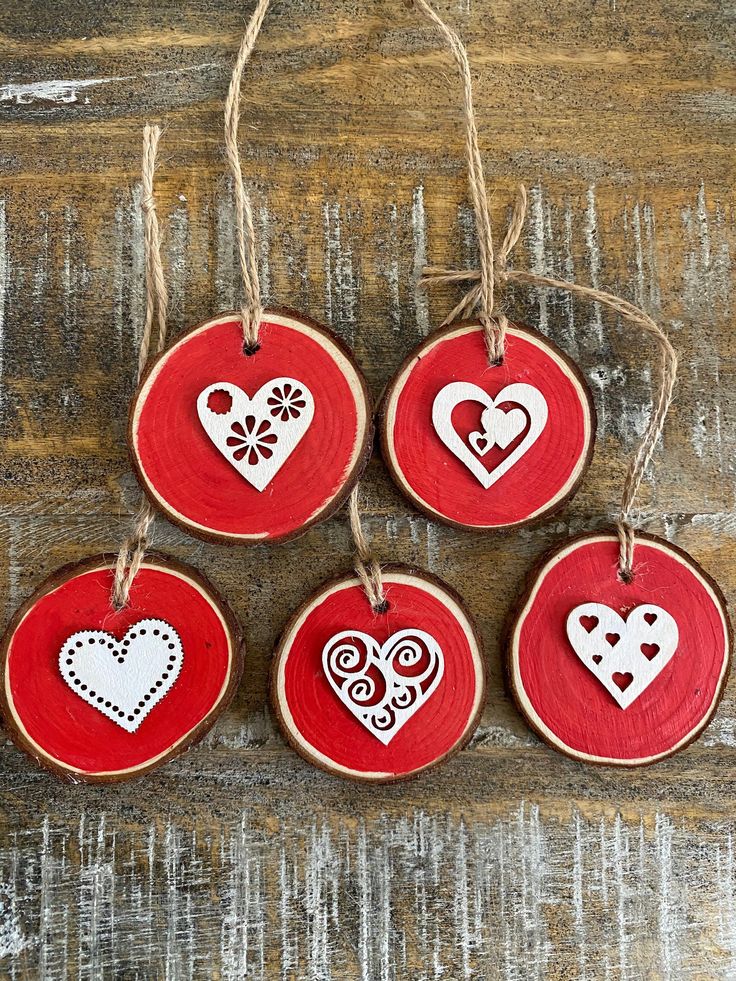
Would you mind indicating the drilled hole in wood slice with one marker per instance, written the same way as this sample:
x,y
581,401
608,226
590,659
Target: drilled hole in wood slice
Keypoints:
x,y
669,697
379,698
250,349
143,684
303,383
487,449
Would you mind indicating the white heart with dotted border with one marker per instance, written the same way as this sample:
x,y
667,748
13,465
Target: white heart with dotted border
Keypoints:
x,y
624,655
123,679
499,427
258,435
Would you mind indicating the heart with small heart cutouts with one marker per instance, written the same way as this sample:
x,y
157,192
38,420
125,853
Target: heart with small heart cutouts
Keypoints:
x,y
383,685
527,414
625,655
123,679
256,435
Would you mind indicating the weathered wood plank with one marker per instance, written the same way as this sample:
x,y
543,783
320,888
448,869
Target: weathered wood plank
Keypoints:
x,y
239,860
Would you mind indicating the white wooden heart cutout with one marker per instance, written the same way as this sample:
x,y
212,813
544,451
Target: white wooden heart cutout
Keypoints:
x,y
383,685
123,679
499,427
256,435
624,655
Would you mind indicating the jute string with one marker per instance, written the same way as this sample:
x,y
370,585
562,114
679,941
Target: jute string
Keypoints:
x,y
493,270
366,564
134,547
251,311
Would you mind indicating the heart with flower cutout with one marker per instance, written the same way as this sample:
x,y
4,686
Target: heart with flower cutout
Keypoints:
x,y
256,435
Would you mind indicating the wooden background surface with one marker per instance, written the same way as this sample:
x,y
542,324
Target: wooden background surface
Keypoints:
x,y
240,860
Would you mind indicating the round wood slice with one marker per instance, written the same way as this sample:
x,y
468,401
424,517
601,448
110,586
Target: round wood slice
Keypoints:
x,y
619,673
487,447
379,696
247,447
100,696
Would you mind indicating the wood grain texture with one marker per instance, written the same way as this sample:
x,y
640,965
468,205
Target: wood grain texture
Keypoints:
x,y
239,859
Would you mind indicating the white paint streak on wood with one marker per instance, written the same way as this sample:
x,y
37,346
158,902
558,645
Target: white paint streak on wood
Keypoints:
x,y
61,91
4,276
176,250
225,250
569,336
419,232
133,277
66,91
341,283
263,241
707,282
594,256
536,244
387,266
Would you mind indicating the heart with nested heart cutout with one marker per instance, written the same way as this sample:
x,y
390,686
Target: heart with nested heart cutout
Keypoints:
x,y
383,685
625,655
123,679
527,414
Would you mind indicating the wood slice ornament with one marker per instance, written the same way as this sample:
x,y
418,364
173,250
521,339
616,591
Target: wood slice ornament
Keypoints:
x,y
487,425
251,448
622,645
487,446
616,672
379,690
114,666
257,423
97,694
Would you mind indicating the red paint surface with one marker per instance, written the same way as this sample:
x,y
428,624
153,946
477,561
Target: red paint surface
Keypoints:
x,y
572,702
196,480
440,479
75,733
329,727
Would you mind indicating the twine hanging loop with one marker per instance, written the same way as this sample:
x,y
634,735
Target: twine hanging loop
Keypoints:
x,y
366,565
251,311
133,549
493,271
483,297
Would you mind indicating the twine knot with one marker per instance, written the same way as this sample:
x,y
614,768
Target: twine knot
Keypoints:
x,y
251,312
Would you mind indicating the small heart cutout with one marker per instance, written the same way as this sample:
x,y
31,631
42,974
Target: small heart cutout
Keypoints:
x,y
649,650
589,623
597,658
480,443
613,639
650,618
622,679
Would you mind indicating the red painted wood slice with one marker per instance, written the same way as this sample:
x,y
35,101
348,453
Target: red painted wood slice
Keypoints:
x,y
619,673
487,447
379,696
247,448
98,695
